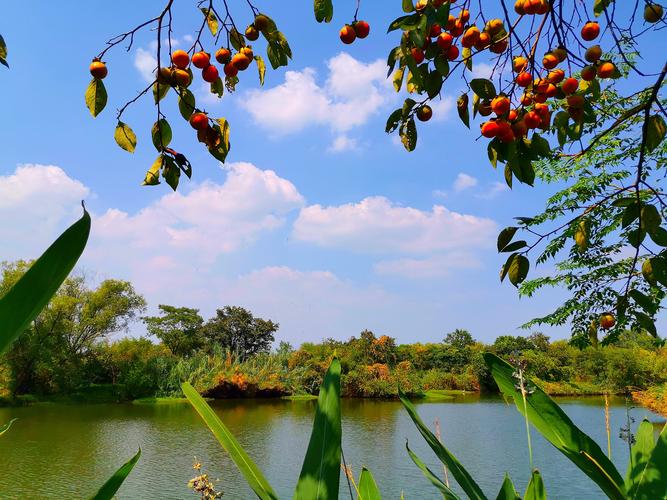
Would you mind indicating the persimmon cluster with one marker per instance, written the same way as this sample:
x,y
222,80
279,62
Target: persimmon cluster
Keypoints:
x,y
356,29
543,86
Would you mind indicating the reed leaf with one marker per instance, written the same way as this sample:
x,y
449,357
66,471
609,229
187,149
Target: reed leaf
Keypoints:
x,y
320,474
445,490
465,480
653,479
507,490
368,489
552,422
4,428
535,489
109,489
246,466
639,456
26,299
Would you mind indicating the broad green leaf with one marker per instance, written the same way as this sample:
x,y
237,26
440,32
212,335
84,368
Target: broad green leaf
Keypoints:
x,y
211,20
393,120
483,88
26,299
644,301
465,480
246,466
462,108
647,323
655,132
518,269
659,236
4,428
368,490
125,137
535,489
507,490
261,68
96,97
323,10
110,488
600,5
653,478
407,6
186,103
650,218
161,134
217,87
236,39
505,237
408,134
445,490
160,90
514,246
557,428
153,174
320,472
639,456
171,172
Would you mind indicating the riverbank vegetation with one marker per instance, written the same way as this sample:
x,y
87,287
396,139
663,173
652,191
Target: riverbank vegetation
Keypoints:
x,y
69,353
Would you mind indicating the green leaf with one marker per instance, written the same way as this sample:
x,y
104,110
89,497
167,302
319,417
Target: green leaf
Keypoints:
x,y
653,479
557,428
407,6
109,489
153,175
161,134
160,90
655,132
217,87
236,39
211,20
465,480
320,472
170,172
629,215
186,103
3,52
650,219
96,97
506,266
446,492
535,489
505,237
261,68
246,466
646,323
26,299
600,5
639,456
393,120
643,301
408,134
513,247
462,108
323,10
659,236
368,490
4,428
125,137
483,88
507,490
518,269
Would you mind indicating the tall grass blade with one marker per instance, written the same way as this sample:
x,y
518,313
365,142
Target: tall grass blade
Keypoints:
x,y
25,300
535,489
507,490
552,422
109,489
639,456
4,428
465,480
653,479
320,474
368,489
446,491
246,466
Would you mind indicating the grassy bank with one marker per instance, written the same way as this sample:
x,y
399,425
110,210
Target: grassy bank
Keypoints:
x,y
654,398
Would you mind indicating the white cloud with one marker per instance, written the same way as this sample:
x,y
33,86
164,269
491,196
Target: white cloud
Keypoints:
x,y
494,190
212,219
442,108
353,92
376,225
145,63
482,70
343,143
436,266
464,181
34,202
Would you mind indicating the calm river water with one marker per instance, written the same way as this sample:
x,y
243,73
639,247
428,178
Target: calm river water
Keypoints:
x,y
63,451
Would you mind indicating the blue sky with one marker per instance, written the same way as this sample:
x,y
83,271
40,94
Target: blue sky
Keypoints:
x,y
319,220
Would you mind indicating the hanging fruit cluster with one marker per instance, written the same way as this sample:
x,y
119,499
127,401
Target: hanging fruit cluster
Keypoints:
x,y
233,55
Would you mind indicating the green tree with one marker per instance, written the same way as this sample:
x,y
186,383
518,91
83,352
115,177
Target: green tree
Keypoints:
x,y
236,329
507,344
459,339
178,328
49,356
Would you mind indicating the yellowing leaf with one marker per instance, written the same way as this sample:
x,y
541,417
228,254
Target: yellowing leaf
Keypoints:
x,y
153,175
211,20
125,137
261,68
96,97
